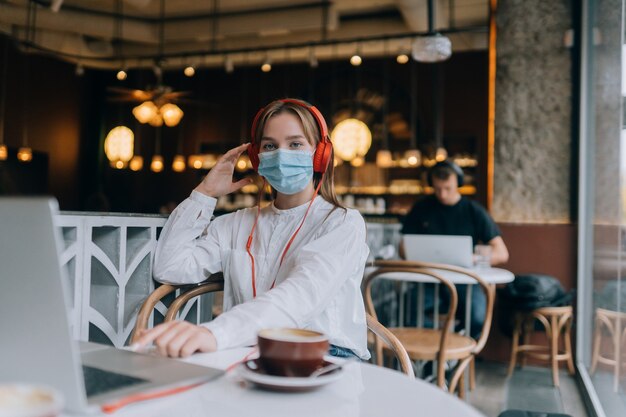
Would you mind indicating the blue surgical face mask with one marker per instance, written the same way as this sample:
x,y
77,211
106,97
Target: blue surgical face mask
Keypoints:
x,y
287,171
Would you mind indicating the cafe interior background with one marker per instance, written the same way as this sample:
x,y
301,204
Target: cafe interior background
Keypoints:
x,y
529,103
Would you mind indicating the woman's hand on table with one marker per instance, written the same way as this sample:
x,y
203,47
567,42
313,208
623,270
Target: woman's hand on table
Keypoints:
x,y
177,339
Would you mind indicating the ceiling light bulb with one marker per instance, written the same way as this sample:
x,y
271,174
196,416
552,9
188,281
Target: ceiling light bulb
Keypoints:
x,y
356,60
121,75
136,164
157,163
357,162
189,71
441,154
413,157
266,67
25,154
178,165
402,59
80,70
4,153
119,164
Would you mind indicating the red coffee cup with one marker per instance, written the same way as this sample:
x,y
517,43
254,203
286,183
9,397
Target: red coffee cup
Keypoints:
x,y
291,352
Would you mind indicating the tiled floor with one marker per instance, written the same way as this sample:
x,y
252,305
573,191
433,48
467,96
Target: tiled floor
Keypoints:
x,y
528,389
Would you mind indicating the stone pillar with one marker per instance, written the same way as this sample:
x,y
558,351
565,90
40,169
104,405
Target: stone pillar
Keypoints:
x,y
533,135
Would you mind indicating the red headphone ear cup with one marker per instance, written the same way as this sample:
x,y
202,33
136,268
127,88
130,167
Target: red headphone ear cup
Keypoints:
x,y
322,156
253,154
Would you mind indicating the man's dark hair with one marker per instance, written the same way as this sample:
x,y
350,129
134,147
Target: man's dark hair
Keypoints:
x,y
443,172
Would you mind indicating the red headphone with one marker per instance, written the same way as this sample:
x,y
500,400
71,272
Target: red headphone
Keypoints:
x,y
321,158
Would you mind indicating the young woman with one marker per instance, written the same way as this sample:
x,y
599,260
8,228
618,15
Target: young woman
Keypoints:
x,y
296,263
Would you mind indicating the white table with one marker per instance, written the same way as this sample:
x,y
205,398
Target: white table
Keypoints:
x,y
363,390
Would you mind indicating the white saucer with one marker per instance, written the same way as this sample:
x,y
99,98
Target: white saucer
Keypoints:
x,y
287,384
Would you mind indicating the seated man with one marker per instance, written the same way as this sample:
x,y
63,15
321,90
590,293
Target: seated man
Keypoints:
x,y
447,212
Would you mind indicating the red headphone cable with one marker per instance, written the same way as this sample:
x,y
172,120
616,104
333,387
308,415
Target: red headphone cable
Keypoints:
x,y
256,219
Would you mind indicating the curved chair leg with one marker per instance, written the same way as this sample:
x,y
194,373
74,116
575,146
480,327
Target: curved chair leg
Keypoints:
x,y
472,374
554,349
517,329
568,347
595,355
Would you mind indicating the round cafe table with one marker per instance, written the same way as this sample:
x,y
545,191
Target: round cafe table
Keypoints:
x,y
362,390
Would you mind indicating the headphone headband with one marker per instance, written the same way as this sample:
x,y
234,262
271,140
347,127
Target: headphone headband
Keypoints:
x,y
323,150
458,171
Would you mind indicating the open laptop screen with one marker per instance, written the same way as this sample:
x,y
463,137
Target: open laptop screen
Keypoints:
x,y
443,249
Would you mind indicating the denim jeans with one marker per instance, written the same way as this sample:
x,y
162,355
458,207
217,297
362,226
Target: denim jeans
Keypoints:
x,y
478,307
341,352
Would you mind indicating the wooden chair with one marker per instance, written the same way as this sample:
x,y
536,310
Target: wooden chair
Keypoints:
x,y
557,321
613,323
379,331
441,344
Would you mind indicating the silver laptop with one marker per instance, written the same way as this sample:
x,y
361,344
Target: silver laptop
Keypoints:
x,y
442,249
37,346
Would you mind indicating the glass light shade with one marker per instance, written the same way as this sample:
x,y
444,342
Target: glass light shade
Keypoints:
x,y
351,138
25,154
384,159
157,121
171,114
145,112
434,48
157,163
356,60
119,144
441,154
121,75
357,161
4,153
402,59
136,164
189,71
178,165
413,157
266,67
118,164
243,163
195,161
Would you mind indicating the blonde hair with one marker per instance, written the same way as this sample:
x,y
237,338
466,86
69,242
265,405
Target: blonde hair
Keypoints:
x,y
313,136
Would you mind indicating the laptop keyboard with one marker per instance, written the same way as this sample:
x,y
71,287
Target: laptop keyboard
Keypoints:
x,y
98,381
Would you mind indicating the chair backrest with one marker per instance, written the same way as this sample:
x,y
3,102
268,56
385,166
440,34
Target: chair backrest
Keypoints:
x,y
187,293
487,289
381,332
388,267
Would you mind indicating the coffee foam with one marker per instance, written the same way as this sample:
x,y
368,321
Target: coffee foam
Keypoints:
x,y
293,335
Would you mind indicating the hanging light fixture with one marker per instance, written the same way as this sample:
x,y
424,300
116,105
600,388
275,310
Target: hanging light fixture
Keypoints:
x,y
136,162
4,153
119,146
356,59
178,164
351,138
229,66
402,58
433,47
25,153
267,65
189,71
413,156
121,75
384,159
157,160
171,114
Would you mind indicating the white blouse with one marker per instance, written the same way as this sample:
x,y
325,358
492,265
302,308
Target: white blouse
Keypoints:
x,y
318,286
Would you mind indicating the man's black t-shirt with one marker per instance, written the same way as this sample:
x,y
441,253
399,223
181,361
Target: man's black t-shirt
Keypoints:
x,y
429,217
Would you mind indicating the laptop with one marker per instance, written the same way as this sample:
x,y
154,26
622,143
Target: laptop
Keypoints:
x,y
37,346
441,249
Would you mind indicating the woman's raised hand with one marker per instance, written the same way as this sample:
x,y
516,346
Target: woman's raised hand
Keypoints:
x,y
219,180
